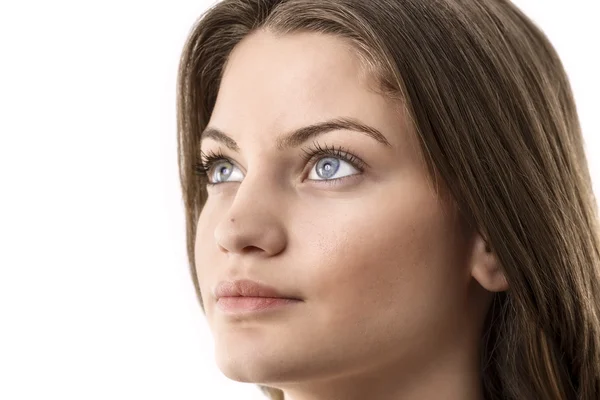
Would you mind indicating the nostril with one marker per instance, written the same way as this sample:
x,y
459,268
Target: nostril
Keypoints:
x,y
251,249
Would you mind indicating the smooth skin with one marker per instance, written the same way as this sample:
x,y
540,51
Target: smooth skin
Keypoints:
x,y
394,285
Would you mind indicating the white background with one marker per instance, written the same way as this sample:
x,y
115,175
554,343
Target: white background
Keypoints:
x,y
95,297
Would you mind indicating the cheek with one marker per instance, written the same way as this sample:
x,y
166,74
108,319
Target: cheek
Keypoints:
x,y
383,259
205,249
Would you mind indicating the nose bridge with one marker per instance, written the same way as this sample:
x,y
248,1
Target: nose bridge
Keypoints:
x,y
254,217
258,192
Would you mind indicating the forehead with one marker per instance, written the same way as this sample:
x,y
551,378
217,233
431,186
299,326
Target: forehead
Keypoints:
x,y
307,63
274,83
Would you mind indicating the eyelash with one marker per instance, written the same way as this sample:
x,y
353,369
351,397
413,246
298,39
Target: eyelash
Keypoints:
x,y
310,154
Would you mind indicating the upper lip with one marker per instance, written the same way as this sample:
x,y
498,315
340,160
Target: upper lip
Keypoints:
x,y
247,288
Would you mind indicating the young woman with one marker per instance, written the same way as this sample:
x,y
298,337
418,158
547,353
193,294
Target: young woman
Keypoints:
x,y
389,199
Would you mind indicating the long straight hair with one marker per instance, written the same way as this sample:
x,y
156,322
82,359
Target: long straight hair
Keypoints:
x,y
496,123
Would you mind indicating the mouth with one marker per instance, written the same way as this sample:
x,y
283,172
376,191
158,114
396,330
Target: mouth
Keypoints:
x,y
248,288
249,304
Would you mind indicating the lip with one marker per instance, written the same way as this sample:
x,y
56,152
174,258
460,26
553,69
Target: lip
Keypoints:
x,y
248,288
245,305
247,297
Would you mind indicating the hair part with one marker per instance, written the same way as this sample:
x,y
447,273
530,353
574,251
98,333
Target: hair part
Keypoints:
x,y
495,118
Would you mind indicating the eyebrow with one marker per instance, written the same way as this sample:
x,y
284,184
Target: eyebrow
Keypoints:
x,y
301,135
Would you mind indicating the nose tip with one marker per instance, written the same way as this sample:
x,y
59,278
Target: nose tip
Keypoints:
x,y
250,236
244,249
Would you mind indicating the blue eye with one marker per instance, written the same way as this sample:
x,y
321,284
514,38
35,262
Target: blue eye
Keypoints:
x,y
221,170
216,168
331,161
327,167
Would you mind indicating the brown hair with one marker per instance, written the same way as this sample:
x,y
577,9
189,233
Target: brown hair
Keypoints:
x,y
496,121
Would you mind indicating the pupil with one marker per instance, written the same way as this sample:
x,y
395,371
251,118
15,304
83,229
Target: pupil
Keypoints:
x,y
224,172
328,167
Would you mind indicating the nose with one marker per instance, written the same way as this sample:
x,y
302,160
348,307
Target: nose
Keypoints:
x,y
253,221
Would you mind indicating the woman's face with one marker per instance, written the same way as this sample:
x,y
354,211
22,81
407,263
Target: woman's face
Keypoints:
x,y
379,260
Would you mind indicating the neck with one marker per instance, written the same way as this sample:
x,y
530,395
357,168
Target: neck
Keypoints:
x,y
453,376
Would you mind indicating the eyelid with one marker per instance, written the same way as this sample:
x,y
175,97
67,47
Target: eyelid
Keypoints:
x,y
311,154
316,151
208,160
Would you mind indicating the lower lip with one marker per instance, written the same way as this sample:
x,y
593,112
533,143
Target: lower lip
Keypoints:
x,y
236,305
